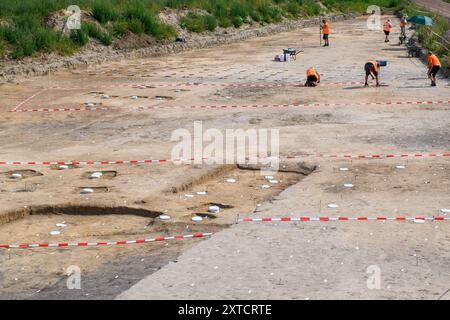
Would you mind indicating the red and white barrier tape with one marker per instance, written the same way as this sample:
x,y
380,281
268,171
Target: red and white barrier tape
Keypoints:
x,y
65,109
297,105
187,161
254,106
28,99
100,244
207,84
330,219
376,156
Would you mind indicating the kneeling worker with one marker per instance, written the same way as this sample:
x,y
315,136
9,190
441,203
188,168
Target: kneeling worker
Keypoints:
x,y
312,77
434,65
372,69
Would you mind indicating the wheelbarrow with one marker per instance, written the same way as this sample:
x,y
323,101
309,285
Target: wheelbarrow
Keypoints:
x,y
292,53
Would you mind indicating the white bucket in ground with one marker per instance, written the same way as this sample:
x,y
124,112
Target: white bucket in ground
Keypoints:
x,y
214,209
89,105
164,217
284,57
202,193
348,185
419,221
231,180
197,219
400,167
134,97
96,175
269,177
344,169
87,191
16,176
265,186
445,211
63,167
55,233
61,225
274,181
333,206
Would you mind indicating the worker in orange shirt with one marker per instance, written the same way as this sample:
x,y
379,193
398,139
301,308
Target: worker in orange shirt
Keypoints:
x,y
403,23
387,28
312,77
326,32
372,69
434,65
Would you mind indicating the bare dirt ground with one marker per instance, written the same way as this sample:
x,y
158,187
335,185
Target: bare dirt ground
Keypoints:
x,y
439,6
284,260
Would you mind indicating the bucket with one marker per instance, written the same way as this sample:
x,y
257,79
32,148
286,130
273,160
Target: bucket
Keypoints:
x,y
214,209
96,175
382,63
289,50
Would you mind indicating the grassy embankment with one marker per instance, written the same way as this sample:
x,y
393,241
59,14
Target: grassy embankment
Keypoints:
x,y
431,37
23,31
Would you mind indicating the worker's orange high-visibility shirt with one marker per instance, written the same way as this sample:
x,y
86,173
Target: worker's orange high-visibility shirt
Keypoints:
x,y
326,28
402,23
433,61
376,65
387,26
312,72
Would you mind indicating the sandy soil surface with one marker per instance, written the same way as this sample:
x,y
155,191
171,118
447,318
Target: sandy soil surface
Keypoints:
x,y
304,260
439,6
91,224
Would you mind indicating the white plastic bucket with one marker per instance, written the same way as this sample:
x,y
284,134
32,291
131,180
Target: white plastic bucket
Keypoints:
x,y
214,209
96,175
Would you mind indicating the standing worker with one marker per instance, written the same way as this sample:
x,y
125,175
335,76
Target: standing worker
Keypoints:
x,y
326,32
387,28
434,65
312,77
403,23
372,69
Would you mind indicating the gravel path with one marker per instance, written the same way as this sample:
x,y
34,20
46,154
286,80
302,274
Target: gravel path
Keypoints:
x,y
438,6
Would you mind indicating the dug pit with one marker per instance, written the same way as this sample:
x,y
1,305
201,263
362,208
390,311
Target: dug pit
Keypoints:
x,y
74,223
21,174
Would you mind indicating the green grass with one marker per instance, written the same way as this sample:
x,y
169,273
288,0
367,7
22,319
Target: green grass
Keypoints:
x,y
2,49
26,36
360,5
194,22
23,33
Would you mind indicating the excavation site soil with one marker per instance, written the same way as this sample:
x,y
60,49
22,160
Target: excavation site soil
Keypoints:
x,y
86,159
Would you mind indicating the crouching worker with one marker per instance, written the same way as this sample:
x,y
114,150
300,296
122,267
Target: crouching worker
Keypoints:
x,y
372,69
434,65
312,77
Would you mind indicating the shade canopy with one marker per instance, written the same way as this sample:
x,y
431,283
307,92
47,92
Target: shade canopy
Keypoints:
x,y
422,20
